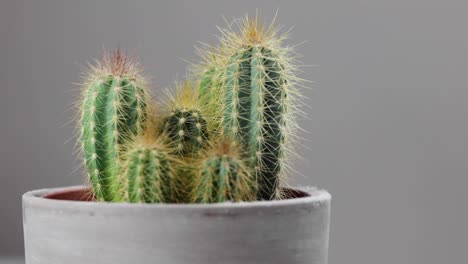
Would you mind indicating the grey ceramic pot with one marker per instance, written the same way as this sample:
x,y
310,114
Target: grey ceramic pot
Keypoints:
x,y
59,228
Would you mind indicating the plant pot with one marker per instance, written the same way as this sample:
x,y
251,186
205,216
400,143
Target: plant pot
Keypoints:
x,y
64,225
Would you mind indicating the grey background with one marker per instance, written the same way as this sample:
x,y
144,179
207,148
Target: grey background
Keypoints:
x,y
388,115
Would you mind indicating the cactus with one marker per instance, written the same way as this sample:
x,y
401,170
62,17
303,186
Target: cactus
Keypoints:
x,y
186,125
113,109
223,176
238,123
211,79
148,174
208,81
259,98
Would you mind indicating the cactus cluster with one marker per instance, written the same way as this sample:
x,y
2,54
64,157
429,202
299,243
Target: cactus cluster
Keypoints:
x,y
225,135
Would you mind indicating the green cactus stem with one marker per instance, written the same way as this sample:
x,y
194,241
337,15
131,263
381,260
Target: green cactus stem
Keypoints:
x,y
186,126
187,129
208,81
254,112
259,100
223,176
149,174
211,81
114,108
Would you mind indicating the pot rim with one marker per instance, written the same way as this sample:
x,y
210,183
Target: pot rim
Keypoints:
x,y
36,198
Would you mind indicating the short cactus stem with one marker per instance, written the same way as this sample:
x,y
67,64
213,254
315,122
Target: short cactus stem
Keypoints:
x,y
186,126
149,175
187,130
114,108
223,176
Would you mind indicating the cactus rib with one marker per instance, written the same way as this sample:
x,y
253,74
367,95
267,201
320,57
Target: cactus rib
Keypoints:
x,y
222,176
149,175
186,126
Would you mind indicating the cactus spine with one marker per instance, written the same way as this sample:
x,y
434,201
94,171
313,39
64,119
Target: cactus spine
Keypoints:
x,y
114,108
222,176
148,174
186,125
259,99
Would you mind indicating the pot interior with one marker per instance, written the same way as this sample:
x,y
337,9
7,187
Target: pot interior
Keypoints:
x,y
86,195
76,194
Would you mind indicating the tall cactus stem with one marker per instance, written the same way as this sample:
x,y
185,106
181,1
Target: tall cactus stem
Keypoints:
x,y
114,108
260,99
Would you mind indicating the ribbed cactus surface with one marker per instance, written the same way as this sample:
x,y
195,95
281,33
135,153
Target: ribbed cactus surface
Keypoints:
x,y
211,80
186,126
114,108
254,113
208,81
187,130
223,176
259,98
149,176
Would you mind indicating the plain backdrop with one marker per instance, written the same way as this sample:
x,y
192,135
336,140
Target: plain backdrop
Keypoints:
x,y
388,112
